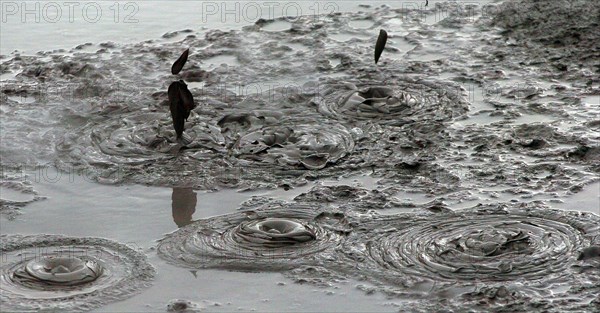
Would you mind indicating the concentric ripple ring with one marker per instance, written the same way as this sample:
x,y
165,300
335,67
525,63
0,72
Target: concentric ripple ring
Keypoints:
x,y
393,102
304,145
263,239
52,272
61,270
528,246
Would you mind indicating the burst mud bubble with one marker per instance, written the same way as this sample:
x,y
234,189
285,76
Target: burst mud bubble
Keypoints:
x,y
393,101
51,272
521,252
279,238
308,146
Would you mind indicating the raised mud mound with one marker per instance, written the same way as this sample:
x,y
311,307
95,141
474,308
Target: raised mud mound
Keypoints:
x,y
283,236
52,272
523,254
393,101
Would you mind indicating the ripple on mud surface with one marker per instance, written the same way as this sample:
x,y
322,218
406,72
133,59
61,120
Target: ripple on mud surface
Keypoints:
x,y
52,272
527,248
394,101
311,146
265,239
16,191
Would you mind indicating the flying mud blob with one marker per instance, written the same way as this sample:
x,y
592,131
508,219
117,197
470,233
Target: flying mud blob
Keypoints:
x,y
51,272
529,248
380,45
400,101
181,103
178,65
280,237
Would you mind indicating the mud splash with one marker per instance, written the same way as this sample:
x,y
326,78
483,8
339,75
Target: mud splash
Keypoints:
x,y
52,272
524,254
274,237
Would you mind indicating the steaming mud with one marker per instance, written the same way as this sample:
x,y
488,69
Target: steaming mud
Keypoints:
x,y
525,254
52,272
274,237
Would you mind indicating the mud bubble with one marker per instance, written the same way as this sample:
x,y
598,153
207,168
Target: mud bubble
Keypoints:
x,y
53,272
280,237
393,101
303,145
529,249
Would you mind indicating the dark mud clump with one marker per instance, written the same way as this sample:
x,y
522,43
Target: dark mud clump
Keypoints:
x,y
526,253
51,272
278,237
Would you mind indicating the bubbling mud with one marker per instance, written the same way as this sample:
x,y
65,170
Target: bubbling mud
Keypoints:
x,y
527,249
59,270
52,272
393,101
278,238
309,146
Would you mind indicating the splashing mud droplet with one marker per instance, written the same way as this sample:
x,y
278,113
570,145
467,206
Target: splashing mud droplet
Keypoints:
x,y
263,239
52,272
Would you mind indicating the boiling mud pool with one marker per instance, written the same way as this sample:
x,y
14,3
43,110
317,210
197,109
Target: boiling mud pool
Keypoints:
x,y
460,173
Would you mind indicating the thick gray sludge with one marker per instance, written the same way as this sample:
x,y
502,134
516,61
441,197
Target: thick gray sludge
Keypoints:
x,y
275,237
52,272
525,253
393,100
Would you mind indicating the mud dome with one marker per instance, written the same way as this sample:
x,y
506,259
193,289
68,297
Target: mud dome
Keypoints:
x,y
51,272
525,254
393,101
280,237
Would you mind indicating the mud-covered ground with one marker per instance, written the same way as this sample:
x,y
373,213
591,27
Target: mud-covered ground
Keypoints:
x,y
492,103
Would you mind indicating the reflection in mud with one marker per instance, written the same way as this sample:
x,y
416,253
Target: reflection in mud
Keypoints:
x,y
183,205
51,272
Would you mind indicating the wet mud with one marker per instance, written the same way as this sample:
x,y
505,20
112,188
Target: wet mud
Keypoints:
x,y
481,106
16,192
52,272
271,237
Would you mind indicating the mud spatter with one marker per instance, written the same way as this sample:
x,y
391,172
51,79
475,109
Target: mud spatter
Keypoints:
x,y
280,237
52,272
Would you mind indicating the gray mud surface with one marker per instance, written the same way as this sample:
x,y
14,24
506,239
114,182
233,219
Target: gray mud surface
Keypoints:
x,y
493,103
124,272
